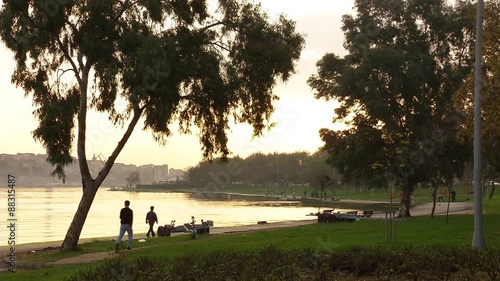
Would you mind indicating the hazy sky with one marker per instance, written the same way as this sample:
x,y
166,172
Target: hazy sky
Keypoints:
x,y
298,115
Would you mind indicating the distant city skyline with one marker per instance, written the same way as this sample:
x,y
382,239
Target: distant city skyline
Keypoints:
x,y
31,169
298,116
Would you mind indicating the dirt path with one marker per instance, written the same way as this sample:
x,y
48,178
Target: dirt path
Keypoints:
x,y
87,258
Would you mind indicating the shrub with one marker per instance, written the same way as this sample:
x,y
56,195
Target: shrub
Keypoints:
x,y
490,263
272,263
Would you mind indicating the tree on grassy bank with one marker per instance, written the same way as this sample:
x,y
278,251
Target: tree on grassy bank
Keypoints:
x,y
405,61
162,61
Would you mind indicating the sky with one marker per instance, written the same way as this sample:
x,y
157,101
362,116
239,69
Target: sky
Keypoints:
x,y
298,115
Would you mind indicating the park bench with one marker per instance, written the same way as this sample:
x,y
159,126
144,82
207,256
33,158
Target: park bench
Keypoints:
x,y
365,213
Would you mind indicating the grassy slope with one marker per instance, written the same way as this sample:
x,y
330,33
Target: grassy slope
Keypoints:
x,y
416,231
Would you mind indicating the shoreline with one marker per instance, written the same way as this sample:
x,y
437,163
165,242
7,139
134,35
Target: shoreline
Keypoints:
x,y
213,230
419,210
91,258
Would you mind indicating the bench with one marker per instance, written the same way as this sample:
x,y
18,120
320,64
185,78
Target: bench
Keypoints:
x,y
366,213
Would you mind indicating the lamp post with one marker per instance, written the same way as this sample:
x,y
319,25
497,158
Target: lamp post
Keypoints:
x,y
478,237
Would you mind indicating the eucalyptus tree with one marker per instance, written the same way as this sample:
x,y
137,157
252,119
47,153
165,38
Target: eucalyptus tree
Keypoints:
x,y
165,61
353,152
464,98
405,60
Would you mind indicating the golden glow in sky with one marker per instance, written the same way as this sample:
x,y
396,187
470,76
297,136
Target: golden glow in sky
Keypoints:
x,y
298,115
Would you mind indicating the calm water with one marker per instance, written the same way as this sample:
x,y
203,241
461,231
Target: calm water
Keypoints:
x,y
44,214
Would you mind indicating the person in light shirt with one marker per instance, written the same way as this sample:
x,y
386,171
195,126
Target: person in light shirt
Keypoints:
x,y
126,219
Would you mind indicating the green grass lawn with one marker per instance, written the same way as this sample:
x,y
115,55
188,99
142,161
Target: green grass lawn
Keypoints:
x,y
421,194
415,231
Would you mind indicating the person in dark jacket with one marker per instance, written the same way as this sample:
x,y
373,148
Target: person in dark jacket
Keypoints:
x,y
126,219
151,218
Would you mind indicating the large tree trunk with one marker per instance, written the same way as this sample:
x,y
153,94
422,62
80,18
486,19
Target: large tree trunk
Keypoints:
x,y
90,185
75,228
492,191
410,186
434,196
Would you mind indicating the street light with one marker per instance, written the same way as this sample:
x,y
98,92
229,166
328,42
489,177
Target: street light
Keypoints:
x,y
478,237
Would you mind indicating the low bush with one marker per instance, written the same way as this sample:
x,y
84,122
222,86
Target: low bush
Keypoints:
x,y
436,262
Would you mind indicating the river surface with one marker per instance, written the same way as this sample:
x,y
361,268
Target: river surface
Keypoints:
x,y
43,214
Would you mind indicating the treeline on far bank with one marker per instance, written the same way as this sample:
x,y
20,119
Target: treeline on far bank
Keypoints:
x,y
262,170
273,173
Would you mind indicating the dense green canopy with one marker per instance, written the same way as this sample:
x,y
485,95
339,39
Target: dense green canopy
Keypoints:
x,y
405,61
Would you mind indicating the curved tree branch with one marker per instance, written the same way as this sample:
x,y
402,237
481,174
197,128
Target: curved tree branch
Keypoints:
x,y
82,128
70,60
203,29
111,159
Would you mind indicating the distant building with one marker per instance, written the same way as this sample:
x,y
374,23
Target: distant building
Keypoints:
x,y
160,173
176,174
147,173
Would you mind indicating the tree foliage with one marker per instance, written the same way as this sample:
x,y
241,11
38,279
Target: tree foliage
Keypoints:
x,y
170,60
133,178
275,169
405,60
165,61
353,152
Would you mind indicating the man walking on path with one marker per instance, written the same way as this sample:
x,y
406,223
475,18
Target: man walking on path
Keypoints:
x,y
126,219
151,218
